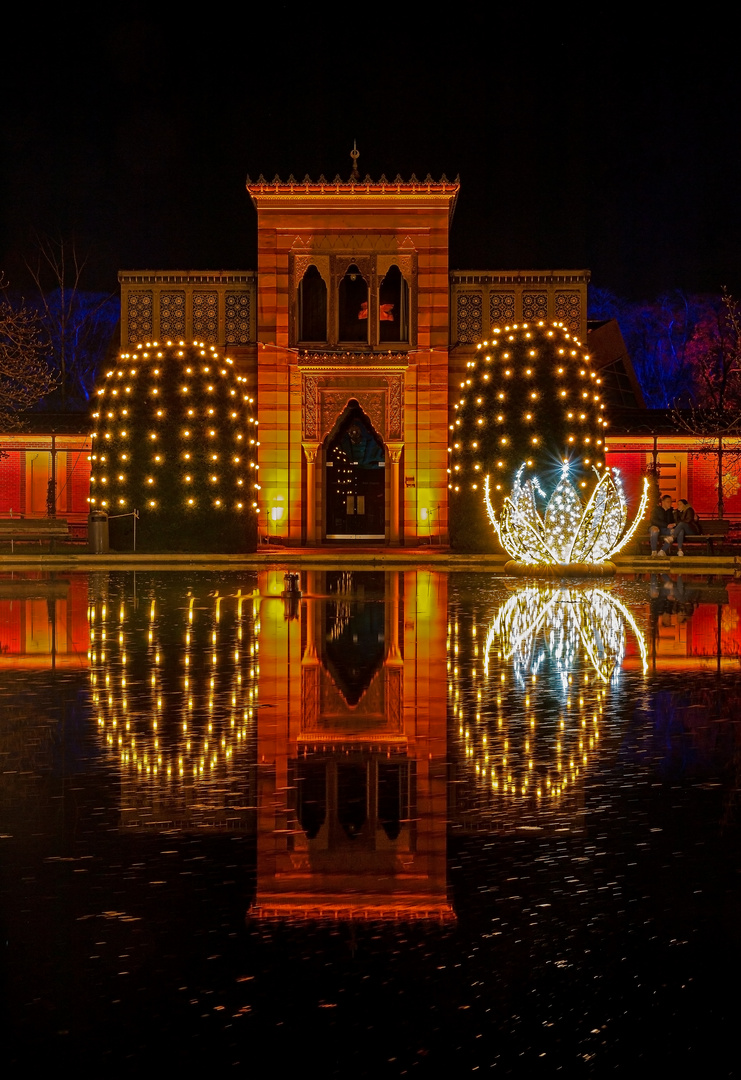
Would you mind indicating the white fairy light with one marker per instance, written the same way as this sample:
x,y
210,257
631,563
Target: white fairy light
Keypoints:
x,y
568,532
567,620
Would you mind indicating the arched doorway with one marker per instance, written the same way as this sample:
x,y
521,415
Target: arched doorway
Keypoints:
x,y
355,479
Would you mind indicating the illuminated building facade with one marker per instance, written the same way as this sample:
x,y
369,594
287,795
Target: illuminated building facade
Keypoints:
x,y
350,334
353,322
353,335
352,360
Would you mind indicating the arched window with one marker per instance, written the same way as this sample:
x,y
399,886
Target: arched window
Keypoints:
x,y
353,321
393,307
312,307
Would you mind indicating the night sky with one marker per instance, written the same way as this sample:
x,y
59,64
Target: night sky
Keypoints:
x,y
578,145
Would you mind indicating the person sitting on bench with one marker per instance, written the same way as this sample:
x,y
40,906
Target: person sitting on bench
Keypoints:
x,y
686,515
662,523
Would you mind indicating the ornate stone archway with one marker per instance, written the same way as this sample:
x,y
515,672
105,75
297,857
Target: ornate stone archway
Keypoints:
x,y
328,383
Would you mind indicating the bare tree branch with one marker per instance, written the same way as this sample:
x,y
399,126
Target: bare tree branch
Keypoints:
x,y
713,416
77,324
25,375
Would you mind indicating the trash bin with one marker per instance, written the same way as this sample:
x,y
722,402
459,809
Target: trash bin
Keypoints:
x,y
97,532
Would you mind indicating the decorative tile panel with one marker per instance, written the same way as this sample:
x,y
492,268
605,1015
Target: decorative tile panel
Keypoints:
x,y
534,306
501,308
237,318
301,264
469,317
372,402
205,315
172,314
395,406
568,310
310,400
139,314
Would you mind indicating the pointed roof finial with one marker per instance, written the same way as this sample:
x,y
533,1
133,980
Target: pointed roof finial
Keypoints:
x,y
354,154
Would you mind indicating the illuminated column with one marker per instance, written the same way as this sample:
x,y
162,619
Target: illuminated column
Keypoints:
x,y
395,449
311,449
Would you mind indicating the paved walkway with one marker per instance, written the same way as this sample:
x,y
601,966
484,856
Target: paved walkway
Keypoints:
x,y
343,556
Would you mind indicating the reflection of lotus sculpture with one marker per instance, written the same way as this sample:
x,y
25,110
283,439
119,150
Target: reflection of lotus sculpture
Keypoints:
x,y
569,537
555,622
552,667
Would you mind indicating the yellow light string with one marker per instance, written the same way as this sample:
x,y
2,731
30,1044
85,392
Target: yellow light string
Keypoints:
x,y
153,354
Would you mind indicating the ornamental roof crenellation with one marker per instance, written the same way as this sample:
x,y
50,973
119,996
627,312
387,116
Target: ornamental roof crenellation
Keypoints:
x,y
353,185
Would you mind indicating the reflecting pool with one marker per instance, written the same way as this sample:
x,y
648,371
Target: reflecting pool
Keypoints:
x,y
406,822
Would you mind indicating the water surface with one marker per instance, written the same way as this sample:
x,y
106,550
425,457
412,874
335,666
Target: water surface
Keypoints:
x,y
410,822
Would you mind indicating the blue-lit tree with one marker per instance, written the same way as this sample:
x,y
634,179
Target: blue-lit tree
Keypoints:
x,y
78,327
658,334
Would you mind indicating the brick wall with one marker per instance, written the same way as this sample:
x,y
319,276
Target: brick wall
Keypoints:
x,y
631,468
78,481
703,486
73,474
10,483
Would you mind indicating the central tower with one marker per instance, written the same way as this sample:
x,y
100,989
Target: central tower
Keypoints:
x,y
352,359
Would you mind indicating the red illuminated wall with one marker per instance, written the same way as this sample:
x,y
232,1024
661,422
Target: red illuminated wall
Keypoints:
x,y
10,484
707,619
703,487
631,468
73,475
697,478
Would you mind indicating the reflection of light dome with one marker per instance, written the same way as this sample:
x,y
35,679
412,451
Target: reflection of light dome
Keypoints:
x,y
568,533
174,693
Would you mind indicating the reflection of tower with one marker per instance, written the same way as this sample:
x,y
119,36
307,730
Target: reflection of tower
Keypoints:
x,y
173,685
351,761
528,696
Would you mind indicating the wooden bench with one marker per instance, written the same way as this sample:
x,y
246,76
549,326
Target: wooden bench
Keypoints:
x,y
712,529
40,529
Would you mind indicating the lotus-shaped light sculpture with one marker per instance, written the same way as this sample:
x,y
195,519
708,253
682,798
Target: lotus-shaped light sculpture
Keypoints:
x,y
568,533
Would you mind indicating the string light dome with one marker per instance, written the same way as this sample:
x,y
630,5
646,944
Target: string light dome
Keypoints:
x,y
530,395
175,438
530,416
